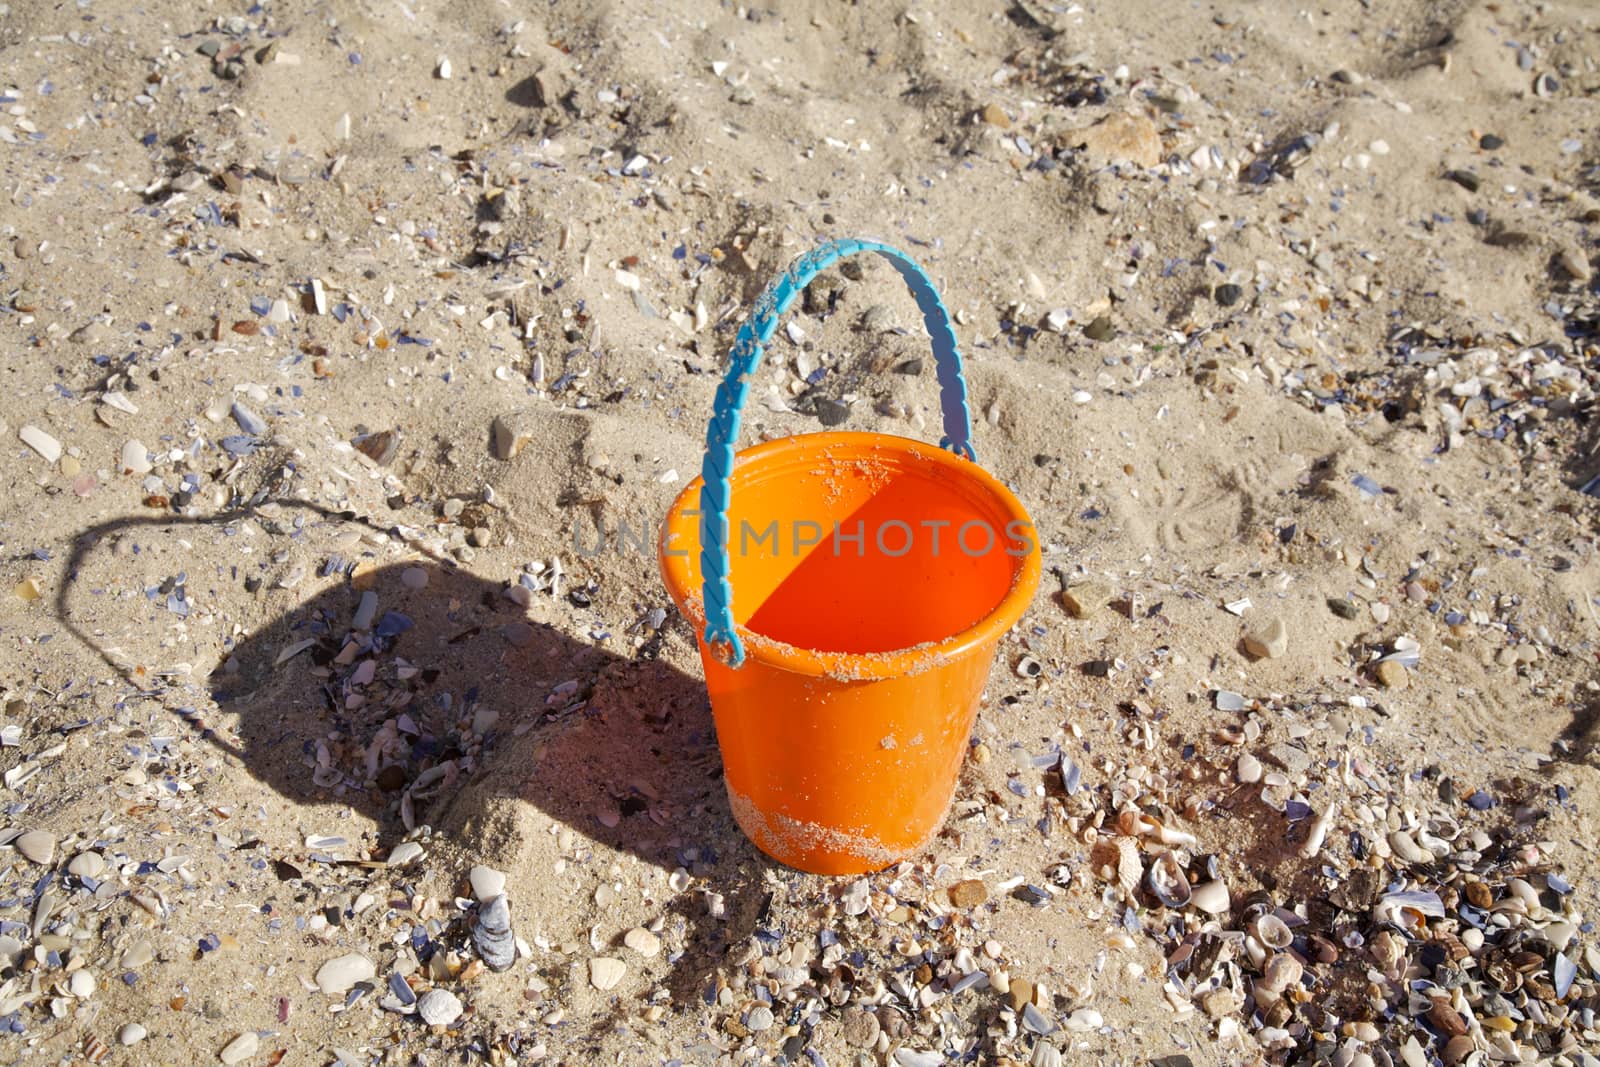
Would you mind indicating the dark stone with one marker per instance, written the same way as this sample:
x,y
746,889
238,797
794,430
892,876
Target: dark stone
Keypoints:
x,y
1032,895
1464,178
1228,295
1342,607
1099,329
1490,142
831,412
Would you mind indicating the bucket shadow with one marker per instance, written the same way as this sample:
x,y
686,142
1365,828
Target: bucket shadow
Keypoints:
x,y
448,702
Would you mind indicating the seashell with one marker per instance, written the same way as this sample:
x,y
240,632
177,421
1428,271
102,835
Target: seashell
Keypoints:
x,y
1406,847
1117,860
1211,897
1167,835
1281,972
1444,827
1388,951
495,942
1275,795
1436,845
1502,972
842,985
1322,949
1255,905
1273,932
1167,881
1317,833
1523,891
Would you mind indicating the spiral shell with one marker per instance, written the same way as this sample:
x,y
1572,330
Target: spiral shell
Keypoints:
x,y
492,936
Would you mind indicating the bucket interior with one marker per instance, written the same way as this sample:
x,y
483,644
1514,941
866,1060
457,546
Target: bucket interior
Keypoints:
x,y
867,543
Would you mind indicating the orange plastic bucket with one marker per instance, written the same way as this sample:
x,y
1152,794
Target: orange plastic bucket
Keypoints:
x,y
859,585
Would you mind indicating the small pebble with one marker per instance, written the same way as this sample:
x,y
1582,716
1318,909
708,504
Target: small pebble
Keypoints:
x,y
968,894
1342,607
1269,642
240,1048
1573,262
1391,675
1228,294
1085,598
132,1034
82,985
340,974
512,432
1248,769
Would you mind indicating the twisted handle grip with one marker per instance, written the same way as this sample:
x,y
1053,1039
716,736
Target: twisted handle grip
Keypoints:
x,y
743,360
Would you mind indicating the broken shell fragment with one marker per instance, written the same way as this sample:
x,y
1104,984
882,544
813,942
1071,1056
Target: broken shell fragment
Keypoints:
x,y
1117,860
1167,882
1211,897
1273,932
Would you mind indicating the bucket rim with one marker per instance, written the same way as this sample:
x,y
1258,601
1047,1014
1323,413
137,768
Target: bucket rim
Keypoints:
x,y
855,666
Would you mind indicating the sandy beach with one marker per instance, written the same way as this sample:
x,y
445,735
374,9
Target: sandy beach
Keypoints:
x,y
354,352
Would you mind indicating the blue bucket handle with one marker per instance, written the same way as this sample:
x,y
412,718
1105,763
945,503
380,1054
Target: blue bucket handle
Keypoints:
x,y
743,360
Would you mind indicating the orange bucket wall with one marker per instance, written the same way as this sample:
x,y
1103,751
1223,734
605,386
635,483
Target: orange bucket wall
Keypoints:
x,y
843,732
